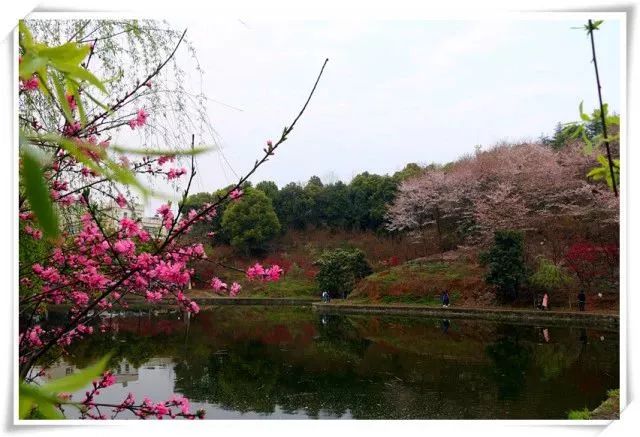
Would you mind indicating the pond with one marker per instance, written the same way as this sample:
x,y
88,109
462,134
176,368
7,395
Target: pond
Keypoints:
x,y
268,362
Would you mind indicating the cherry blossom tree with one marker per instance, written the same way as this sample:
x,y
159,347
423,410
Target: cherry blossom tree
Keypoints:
x,y
519,186
69,166
428,201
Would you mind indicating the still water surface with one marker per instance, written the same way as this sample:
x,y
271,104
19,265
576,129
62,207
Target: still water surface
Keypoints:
x,y
291,362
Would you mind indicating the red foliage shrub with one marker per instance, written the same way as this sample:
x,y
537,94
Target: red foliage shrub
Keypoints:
x,y
594,265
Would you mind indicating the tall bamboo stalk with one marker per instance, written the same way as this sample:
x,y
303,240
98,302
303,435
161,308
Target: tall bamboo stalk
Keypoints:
x,y
602,115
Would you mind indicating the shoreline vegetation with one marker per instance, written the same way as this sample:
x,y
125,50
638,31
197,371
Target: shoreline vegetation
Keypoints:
x,y
609,409
605,320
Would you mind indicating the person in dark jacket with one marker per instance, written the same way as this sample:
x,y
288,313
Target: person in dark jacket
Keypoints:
x,y
582,300
445,299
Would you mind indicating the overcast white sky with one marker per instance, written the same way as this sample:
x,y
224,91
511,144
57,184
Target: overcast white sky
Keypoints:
x,y
392,92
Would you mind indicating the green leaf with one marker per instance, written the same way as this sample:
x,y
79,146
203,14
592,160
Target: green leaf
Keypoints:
x,y
24,36
96,101
78,100
583,116
575,130
82,73
588,144
66,54
49,411
62,97
603,172
109,169
30,64
78,380
37,193
46,397
30,395
155,152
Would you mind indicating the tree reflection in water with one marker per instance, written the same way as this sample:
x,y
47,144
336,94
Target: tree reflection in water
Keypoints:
x,y
288,360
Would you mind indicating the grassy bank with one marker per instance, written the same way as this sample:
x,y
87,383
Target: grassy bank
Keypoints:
x,y
422,281
608,410
608,321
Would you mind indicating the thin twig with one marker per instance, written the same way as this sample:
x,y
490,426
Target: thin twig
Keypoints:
x,y
269,151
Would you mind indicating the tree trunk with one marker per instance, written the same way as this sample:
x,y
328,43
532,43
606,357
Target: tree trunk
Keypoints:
x,y
439,230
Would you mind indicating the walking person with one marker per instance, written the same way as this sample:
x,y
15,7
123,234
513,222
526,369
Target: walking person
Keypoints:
x,y
545,301
445,299
582,300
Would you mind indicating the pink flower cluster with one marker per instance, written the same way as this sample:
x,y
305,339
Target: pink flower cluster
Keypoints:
x,y
218,285
71,101
125,247
167,158
140,120
187,304
146,409
257,271
235,289
175,173
29,84
33,336
167,216
71,129
121,201
236,194
35,233
78,332
129,228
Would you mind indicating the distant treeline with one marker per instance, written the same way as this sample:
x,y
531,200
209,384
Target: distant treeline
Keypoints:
x,y
360,204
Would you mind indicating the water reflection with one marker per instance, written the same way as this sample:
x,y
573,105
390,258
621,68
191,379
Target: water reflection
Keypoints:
x,y
445,325
274,362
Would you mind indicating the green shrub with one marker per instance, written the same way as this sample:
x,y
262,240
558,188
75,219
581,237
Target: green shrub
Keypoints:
x,y
250,221
340,270
583,414
505,260
550,276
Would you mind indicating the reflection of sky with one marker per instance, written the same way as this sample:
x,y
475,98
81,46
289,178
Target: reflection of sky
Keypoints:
x,y
156,381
